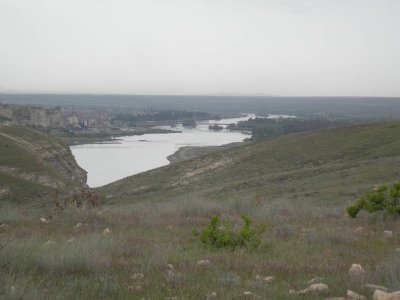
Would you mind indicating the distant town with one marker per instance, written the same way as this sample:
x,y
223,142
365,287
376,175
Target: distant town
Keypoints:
x,y
92,119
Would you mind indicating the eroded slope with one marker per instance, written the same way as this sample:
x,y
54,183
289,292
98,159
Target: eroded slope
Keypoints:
x,y
34,165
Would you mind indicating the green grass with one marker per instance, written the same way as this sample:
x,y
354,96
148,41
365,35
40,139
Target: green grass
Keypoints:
x,y
326,166
33,165
298,185
13,155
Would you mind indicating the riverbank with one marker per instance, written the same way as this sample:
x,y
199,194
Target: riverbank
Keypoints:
x,y
74,139
189,152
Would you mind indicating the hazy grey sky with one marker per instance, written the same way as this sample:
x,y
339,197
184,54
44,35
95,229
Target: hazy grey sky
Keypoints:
x,y
283,47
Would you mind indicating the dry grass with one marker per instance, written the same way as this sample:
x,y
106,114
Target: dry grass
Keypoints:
x,y
145,237
300,197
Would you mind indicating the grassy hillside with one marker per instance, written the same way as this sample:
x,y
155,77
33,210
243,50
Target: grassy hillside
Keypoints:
x,y
298,185
33,165
328,166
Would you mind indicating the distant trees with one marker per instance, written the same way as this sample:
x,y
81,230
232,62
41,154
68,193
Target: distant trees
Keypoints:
x,y
164,115
266,128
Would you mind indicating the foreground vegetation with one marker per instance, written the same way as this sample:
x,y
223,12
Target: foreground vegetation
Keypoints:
x,y
139,243
380,199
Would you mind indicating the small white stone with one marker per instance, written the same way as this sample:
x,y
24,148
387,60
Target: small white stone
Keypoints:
x,y
315,280
354,296
381,295
49,243
316,288
388,233
357,272
203,263
44,221
269,279
247,293
374,287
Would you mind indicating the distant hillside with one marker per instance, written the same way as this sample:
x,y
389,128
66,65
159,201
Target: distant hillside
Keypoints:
x,y
327,165
34,165
371,108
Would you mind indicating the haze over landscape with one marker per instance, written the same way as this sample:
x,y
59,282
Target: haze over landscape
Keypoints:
x,y
287,48
200,149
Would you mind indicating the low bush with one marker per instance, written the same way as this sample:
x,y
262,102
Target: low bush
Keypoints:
x,y
381,198
222,234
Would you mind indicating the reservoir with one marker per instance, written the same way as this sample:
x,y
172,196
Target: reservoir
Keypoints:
x,y
129,155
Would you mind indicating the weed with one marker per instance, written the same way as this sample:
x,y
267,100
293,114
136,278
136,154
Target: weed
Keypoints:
x,y
381,198
221,234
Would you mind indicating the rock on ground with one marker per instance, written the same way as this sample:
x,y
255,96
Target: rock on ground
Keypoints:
x,y
49,243
374,287
354,296
78,225
107,231
357,272
250,295
381,295
203,263
44,221
316,288
315,280
388,233
267,279
170,267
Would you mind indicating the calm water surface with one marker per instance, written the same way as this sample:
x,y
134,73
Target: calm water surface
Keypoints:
x,y
106,163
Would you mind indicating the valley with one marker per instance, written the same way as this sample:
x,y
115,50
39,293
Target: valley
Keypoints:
x,y
139,242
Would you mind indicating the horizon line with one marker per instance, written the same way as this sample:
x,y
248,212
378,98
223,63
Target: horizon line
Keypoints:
x,y
253,95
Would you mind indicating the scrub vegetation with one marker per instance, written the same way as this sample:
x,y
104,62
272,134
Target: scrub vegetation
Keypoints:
x,y
139,242
222,234
381,198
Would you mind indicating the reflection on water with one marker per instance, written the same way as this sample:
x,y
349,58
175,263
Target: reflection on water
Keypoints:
x,y
131,155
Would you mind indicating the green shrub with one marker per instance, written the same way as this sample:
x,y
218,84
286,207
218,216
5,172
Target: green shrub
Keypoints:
x,y
221,234
381,198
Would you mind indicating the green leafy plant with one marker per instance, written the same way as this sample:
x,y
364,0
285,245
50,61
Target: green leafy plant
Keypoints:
x,y
381,198
222,234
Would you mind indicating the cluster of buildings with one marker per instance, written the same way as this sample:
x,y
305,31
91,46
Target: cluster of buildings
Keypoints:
x,y
53,117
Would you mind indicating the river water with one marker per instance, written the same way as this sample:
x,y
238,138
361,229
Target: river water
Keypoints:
x,y
129,155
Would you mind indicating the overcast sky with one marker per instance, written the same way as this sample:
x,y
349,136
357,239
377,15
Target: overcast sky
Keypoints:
x,y
279,47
